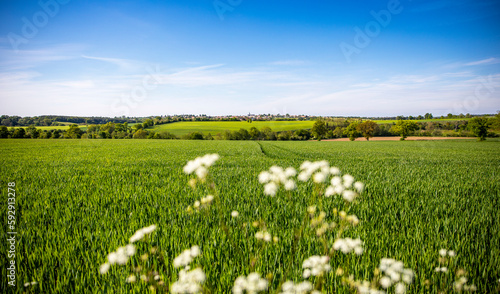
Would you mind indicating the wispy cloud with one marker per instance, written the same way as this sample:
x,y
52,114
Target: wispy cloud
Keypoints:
x,y
491,60
122,63
288,62
26,59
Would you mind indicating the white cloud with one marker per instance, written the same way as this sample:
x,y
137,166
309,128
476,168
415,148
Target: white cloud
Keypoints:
x,y
484,61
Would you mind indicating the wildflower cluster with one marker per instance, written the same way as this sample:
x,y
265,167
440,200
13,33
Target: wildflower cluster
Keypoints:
x,y
204,202
320,171
186,257
200,165
123,254
190,281
461,285
395,273
445,256
275,177
139,234
301,288
316,266
446,265
318,222
252,284
263,236
348,245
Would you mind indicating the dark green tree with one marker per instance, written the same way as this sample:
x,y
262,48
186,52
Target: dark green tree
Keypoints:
x,y
74,132
319,129
404,128
352,131
479,127
367,129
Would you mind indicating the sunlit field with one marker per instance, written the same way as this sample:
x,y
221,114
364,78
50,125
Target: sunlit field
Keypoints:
x,y
79,200
214,127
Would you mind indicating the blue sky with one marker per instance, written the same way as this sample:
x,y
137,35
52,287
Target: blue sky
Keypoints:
x,y
343,58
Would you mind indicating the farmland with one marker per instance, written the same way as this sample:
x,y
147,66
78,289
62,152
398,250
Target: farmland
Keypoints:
x,y
78,200
214,127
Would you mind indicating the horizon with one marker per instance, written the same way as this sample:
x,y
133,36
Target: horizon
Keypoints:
x,y
363,59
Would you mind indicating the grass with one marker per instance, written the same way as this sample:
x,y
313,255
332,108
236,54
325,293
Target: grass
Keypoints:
x,y
78,200
214,127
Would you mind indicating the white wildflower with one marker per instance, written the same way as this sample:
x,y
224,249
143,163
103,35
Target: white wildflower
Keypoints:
x,y
385,282
234,214
264,177
349,195
400,288
348,245
270,189
189,281
443,252
359,186
319,178
253,283
187,256
139,234
131,279
304,177
104,268
263,236
200,165
316,265
329,191
336,181
441,269
334,171
348,180
290,172
290,185
201,172
301,288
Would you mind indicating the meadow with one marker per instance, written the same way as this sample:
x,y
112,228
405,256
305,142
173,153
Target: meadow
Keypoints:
x,y
214,127
78,200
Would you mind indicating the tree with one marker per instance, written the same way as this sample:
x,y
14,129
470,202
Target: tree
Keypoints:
x,y
267,133
254,133
352,131
74,131
32,132
19,133
140,134
404,128
428,116
319,129
495,121
367,129
479,127
4,132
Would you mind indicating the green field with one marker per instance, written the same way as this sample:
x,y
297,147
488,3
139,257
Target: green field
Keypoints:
x,y
214,127
443,120
78,200
47,128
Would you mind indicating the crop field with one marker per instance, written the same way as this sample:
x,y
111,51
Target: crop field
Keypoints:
x,y
443,120
47,128
79,200
214,127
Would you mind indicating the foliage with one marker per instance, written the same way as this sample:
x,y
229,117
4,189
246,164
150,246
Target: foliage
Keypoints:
x,y
352,131
404,128
479,126
367,129
319,129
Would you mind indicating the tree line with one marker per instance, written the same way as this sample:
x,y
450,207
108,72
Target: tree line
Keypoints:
x,y
480,127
